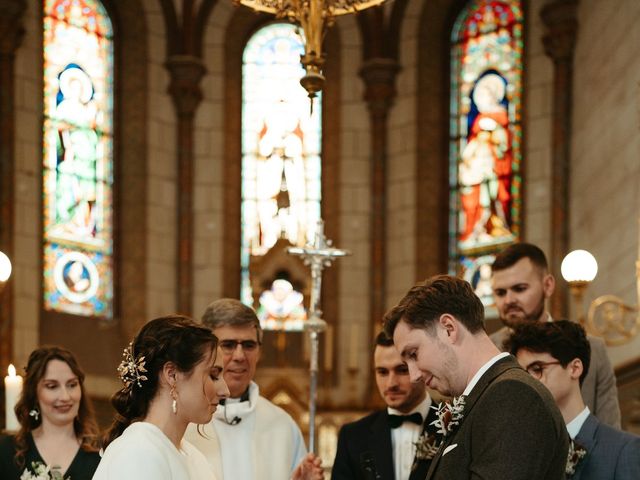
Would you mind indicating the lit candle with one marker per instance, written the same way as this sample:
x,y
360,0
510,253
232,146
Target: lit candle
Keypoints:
x,y
12,391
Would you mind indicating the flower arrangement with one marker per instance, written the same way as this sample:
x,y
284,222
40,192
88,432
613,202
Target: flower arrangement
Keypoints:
x,y
449,415
40,471
427,446
576,453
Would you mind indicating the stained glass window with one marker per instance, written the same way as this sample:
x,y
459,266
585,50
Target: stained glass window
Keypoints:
x,y
78,158
281,147
485,137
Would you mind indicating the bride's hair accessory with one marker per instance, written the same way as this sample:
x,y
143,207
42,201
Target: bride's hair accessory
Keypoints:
x,y
131,370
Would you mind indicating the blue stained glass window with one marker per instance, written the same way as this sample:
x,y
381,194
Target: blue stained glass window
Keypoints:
x,y
78,158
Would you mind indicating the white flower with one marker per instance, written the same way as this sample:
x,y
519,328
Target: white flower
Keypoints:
x,y
449,415
40,471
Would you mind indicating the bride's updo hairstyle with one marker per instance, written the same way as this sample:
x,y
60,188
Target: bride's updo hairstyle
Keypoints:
x,y
173,338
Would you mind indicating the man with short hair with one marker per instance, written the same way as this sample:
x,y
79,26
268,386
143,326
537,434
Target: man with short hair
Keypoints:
x,y
558,354
521,285
383,444
438,328
249,438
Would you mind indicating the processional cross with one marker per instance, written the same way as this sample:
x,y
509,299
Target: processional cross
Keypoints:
x,y
317,255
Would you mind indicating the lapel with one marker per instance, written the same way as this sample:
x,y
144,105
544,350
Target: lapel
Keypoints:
x,y
422,466
497,369
587,438
380,445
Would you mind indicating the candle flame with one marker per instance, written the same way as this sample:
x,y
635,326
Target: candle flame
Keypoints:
x,y
11,370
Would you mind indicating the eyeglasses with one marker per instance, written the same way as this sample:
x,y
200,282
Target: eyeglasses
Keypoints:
x,y
229,346
536,369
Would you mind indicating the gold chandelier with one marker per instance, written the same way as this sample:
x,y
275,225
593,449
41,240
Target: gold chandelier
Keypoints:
x,y
314,17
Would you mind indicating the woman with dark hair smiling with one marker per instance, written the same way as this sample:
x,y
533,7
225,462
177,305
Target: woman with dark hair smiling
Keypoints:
x,y
172,376
58,432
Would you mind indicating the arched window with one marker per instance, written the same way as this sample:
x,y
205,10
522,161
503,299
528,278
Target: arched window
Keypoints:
x,y
78,158
485,137
281,148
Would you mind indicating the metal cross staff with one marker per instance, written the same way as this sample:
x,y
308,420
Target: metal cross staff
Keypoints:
x,y
318,255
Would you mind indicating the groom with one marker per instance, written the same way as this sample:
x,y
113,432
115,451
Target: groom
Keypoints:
x,y
506,425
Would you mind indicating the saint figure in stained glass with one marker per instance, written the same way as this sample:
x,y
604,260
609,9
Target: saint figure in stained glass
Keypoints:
x,y
77,158
281,143
485,137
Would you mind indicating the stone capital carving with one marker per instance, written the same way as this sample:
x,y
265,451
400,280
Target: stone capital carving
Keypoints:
x,y
11,28
379,75
561,19
186,72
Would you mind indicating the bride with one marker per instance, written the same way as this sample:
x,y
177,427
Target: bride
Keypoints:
x,y
172,376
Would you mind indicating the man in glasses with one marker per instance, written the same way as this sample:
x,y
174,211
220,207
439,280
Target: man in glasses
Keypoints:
x,y
521,285
558,354
249,437
384,443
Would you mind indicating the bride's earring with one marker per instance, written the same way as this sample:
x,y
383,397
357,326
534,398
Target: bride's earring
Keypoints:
x,y
174,404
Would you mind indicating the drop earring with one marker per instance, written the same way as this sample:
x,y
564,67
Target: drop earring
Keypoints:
x,y
35,413
174,404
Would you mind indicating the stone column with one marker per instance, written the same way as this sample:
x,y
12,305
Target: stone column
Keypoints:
x,y
186,72
560,18
379,76
11,33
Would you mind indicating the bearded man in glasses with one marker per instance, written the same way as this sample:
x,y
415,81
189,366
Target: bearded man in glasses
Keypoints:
x,y
249,438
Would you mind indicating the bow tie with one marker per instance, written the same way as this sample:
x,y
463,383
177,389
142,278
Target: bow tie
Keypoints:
x,y
396,420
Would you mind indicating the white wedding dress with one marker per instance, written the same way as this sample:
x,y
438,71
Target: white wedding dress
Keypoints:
x,y
143,452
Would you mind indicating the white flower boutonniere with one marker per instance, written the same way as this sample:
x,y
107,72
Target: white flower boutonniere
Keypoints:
x,y
576,453
40,471
449,415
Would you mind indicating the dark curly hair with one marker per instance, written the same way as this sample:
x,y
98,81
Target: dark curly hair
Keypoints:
x,y
562,339
173,338
84,424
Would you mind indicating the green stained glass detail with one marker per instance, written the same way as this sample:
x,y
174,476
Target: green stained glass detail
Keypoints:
x,y
78,158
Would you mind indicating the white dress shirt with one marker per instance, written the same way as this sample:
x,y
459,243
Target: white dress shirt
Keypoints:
x,y
482,371
404,438
574,426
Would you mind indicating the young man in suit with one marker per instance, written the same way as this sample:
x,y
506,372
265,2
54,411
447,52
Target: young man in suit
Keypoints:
x,y
558,354
383,445
438,329
521,284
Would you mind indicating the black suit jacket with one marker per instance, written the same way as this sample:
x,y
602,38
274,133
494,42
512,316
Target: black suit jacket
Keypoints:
x,y
511,429
364,450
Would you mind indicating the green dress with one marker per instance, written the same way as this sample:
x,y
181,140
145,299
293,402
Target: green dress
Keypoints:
x,y
82,467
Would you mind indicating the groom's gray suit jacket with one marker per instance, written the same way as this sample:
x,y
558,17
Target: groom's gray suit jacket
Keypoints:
x,y
611,454
511,429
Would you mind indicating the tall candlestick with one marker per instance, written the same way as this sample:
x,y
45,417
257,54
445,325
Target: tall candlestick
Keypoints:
x,y
12,391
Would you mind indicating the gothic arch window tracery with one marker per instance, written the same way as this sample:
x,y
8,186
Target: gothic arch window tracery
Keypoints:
x,y
78,158
485,143
281,149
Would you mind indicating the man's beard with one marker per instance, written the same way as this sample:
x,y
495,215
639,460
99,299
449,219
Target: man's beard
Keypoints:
x,y
534,316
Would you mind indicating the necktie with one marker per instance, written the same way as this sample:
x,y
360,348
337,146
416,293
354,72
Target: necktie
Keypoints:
x,y
396,420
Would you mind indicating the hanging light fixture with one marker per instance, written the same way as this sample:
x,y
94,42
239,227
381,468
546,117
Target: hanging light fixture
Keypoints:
x,y
314,17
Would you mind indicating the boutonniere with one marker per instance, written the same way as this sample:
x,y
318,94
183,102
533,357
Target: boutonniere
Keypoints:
x,y
576,453
426,447
449,415
40,471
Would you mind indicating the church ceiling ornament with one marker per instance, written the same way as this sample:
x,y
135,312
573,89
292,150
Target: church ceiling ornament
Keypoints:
x,y
314,18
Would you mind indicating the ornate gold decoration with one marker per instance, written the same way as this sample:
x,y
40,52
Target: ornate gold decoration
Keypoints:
x,y
314,17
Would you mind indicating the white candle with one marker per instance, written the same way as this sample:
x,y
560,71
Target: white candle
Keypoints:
x,y
12,391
